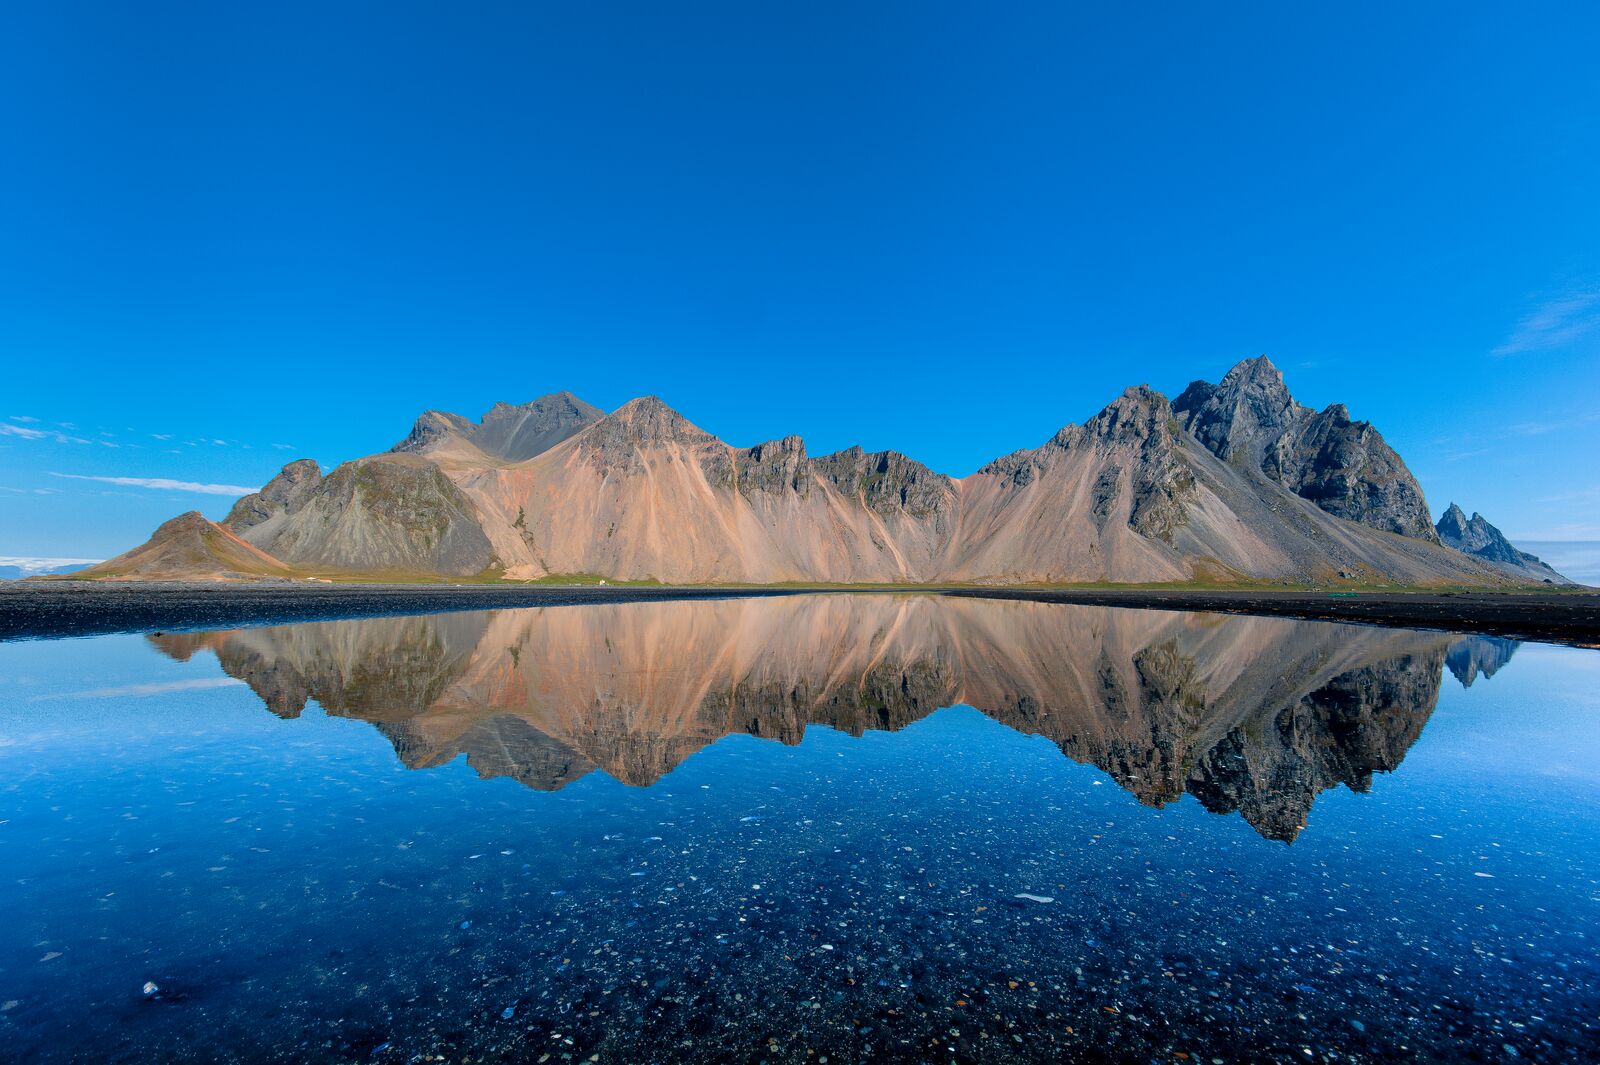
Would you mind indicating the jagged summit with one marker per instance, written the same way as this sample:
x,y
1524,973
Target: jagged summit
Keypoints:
x,y
1476,537
1251,421
1235,481
1243,414
509,432
291,487
642,420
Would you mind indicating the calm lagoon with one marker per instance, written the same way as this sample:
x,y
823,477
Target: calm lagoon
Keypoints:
x,y
817,828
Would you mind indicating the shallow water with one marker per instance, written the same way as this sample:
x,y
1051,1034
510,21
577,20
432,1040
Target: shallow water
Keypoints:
x,y
822,827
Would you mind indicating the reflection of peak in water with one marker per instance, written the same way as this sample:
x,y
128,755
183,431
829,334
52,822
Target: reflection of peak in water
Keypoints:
x,y
1254,715
1474,656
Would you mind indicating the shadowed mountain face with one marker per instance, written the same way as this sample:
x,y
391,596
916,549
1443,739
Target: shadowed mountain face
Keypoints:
x,y
1249,715
508,432
1343,466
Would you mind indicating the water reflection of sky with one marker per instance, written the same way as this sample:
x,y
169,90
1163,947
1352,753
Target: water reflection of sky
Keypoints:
x,y
296,893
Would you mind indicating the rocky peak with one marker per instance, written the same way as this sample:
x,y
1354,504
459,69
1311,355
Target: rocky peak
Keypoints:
x,y
1453,525
189,523
1139,414
285,493
510,432
1241,416
1475,536
519,432
621,437
431,429
777,450
1343,466
777,465
888,481
648,419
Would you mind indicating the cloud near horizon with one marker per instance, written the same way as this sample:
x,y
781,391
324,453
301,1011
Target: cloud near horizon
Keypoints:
x,y
163,483
1554,324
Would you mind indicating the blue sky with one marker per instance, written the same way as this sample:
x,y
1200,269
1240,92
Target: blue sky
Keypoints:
x,y
233,235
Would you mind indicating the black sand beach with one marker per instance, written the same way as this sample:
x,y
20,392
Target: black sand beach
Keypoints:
x,y
47,610
42,610
1555,617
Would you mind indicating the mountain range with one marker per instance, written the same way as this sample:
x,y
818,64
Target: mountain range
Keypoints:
x,y
1233,482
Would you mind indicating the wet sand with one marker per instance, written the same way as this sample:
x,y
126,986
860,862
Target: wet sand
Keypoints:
x,y
43,610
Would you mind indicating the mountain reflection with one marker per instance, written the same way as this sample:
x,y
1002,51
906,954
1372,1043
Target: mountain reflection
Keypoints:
x,y
1249,715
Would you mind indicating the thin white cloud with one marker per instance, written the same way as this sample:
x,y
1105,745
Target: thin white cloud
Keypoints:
x,y
161,436
164,483
1576,495
1555,426
1554,324
159,688
24,418
7,429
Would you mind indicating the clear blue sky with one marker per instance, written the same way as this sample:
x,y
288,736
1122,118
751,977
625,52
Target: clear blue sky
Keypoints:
x,y
948,230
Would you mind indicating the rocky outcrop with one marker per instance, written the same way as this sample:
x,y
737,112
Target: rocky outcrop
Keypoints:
x,y
285,494
384,515
190,547
1343,466
1250,715
507,432
1476,537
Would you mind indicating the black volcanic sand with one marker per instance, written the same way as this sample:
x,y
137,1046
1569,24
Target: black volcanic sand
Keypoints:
x,y
48,610
1557,617
43,610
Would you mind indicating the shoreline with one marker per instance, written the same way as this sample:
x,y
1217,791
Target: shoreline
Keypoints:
x,y
1571,618
62,608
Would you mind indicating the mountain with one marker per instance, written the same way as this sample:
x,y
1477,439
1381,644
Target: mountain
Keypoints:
x,y
1250,715
1236,482
1476,537
508,433
1252,422
190,547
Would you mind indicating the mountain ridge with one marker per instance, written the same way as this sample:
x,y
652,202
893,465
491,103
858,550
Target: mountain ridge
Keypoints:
x,y
1235,482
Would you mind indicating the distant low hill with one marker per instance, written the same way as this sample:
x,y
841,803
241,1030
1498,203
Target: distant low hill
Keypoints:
x,y
15,568
1234,482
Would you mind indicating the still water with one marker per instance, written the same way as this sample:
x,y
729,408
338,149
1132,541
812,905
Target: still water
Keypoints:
x,y
812,829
